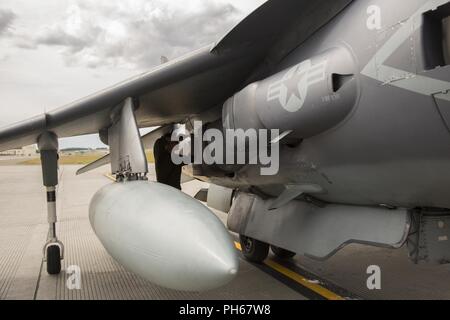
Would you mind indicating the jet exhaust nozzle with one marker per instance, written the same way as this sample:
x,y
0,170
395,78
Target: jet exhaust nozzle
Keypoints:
x,y
164,236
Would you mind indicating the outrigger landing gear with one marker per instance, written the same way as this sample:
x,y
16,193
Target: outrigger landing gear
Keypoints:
x,y
53,249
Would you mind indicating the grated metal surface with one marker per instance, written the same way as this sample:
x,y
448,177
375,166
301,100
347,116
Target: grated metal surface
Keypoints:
x,y
12,248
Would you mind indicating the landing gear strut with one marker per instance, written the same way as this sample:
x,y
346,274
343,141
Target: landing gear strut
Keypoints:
x,y
53,249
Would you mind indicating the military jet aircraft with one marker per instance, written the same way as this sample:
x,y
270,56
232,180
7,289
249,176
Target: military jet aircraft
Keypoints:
x,y
359,91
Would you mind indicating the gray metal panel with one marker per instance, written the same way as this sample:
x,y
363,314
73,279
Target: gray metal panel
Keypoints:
x,y
292,192
443,102
127,150
429,239
269,22
318,232
219,198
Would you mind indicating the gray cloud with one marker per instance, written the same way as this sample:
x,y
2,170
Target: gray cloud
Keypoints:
x,y
6,19
134,33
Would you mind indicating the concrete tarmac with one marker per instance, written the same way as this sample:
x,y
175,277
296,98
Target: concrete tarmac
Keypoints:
x,y
23,232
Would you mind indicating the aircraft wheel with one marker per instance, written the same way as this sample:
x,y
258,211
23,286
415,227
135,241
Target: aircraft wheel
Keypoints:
x,y
254,250
53,259
282,253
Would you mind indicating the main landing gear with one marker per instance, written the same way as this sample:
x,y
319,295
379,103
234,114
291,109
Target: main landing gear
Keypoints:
x,y
53,249
282,253
257,251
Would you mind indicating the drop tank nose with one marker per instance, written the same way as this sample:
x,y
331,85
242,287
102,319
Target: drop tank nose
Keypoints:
x,y
164,236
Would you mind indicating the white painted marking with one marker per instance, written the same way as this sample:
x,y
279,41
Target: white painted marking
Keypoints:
x,y
307,74
374,20
74,280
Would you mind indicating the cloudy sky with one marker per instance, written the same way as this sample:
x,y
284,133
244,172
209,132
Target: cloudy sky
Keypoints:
x,y
55,51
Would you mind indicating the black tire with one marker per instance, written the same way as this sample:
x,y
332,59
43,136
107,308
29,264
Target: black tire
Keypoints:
x,y
254,250
282,253
53,260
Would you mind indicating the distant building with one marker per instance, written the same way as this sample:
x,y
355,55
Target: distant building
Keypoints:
x,y
28,151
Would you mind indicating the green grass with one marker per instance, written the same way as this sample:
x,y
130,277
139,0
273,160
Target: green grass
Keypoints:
x,y
150,157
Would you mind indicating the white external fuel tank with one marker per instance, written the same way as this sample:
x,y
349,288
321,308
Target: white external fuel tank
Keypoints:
x,y
164,236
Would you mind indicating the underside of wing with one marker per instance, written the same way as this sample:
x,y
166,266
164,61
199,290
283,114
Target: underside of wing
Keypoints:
x,y
167,94
281,25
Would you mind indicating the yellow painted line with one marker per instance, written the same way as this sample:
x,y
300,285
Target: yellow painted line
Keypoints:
x,y
303,281
298,278
110,177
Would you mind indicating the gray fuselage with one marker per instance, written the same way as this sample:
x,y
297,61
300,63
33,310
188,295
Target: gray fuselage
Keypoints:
x,y
392,146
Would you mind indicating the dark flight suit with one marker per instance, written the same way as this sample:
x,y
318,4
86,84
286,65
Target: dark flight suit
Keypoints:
x,y
166,171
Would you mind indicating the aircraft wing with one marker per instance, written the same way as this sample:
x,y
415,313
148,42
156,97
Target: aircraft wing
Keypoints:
x,y
167,94
190,85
